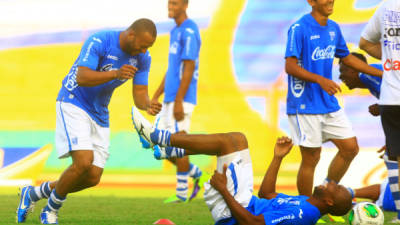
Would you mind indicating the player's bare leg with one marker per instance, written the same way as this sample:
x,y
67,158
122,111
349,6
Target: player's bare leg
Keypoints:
x,y
348,149
305,177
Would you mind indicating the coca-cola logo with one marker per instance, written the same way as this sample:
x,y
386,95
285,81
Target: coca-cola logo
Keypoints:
x,y
327,53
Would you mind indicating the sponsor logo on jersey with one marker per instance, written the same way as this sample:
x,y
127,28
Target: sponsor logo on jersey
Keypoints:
x,y
314,37
326,53
113,57
391,45
297,86
391,64
392,32
70,83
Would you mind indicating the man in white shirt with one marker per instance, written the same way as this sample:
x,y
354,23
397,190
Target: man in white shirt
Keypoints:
x,y
381,39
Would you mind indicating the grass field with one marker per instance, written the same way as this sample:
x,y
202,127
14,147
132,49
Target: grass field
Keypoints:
x,y
122,206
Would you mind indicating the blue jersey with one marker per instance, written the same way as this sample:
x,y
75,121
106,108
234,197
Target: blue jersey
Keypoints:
x,y
315,47
371,82
101,52
184,45
283,209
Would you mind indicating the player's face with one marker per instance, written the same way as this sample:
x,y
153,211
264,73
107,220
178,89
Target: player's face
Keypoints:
x,y
323,7
330,188
348,76
176,8
140,42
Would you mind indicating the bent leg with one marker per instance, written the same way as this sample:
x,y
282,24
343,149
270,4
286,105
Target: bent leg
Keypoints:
x,y
348,149
305,177
210,144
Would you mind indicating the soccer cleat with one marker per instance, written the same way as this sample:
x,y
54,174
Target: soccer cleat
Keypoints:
x,y
143,127
25,204
395,220
174,199
199,184
167,152
48,217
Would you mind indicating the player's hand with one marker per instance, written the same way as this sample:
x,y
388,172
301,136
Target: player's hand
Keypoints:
x,y
154,108
178,111
126,72
219,180
374,109
282,146
329,85
382,150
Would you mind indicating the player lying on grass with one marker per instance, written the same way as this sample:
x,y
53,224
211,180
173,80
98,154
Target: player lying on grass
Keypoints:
x,y
229,193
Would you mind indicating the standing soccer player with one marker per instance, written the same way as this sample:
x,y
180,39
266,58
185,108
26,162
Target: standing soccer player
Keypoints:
x,y
313,111
107,60
381,39
180,88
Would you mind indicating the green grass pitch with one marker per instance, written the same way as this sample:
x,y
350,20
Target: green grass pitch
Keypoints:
x,y
111,206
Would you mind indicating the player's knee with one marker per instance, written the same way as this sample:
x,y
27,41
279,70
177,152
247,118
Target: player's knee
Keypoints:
x,y
240,140
82,165
93,180
350,152
310,160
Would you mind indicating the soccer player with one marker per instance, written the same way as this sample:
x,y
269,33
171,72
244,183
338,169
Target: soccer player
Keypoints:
x,y
353,79
107,60
179,86
229,194
381,39
313,111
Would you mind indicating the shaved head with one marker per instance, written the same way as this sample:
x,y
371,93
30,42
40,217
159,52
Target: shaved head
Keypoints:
x,y
144,25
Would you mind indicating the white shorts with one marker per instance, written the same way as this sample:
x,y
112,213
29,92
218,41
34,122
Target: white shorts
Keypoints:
x,y
165,119
240,184
76,130
311,130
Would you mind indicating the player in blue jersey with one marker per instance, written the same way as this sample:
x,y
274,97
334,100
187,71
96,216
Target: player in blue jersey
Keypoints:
x,y
107,60
313,111
354,79
229,193
179,86
388,195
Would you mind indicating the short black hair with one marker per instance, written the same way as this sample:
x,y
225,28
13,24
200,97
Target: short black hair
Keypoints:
x,y
144,25
358,55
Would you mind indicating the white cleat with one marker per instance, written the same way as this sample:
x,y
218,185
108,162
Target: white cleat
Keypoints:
x,y
48,217
142,126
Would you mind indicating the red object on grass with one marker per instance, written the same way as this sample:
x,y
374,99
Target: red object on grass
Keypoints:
x,y
164,221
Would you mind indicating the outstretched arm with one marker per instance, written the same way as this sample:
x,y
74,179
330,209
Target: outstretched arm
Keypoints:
x,y
282,148
373,49
359,65
243,216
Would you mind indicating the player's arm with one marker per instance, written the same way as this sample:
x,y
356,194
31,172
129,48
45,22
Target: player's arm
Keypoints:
x,y
142,101
373,49
359,65
88,78
282,148
243,216
187,75
295,70
159,91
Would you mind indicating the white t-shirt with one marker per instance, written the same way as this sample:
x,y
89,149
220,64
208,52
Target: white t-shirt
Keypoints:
x,y
384,26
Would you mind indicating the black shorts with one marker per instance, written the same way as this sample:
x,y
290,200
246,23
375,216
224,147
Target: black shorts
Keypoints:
x,y
390,117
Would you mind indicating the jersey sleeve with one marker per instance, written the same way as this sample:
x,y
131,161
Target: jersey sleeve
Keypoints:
x,y
190,50
91,52
294,44
142,75
341,47
372,32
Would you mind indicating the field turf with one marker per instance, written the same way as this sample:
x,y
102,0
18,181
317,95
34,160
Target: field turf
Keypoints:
x,y
130,206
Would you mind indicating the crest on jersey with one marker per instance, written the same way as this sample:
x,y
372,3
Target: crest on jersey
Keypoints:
x,y
133,62
332,35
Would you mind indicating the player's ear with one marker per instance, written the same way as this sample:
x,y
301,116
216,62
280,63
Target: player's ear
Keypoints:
x,y
328,201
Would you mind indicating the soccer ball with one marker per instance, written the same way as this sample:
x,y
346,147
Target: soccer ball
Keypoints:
x,y
365,213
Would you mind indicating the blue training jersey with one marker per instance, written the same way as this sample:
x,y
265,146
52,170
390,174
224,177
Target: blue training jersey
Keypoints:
x,y
283,210
101,52
371,82
184,45
315,47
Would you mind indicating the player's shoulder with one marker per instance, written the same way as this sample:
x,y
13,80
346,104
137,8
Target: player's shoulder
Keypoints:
x,y
104,36
332,23
300,23
190,27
